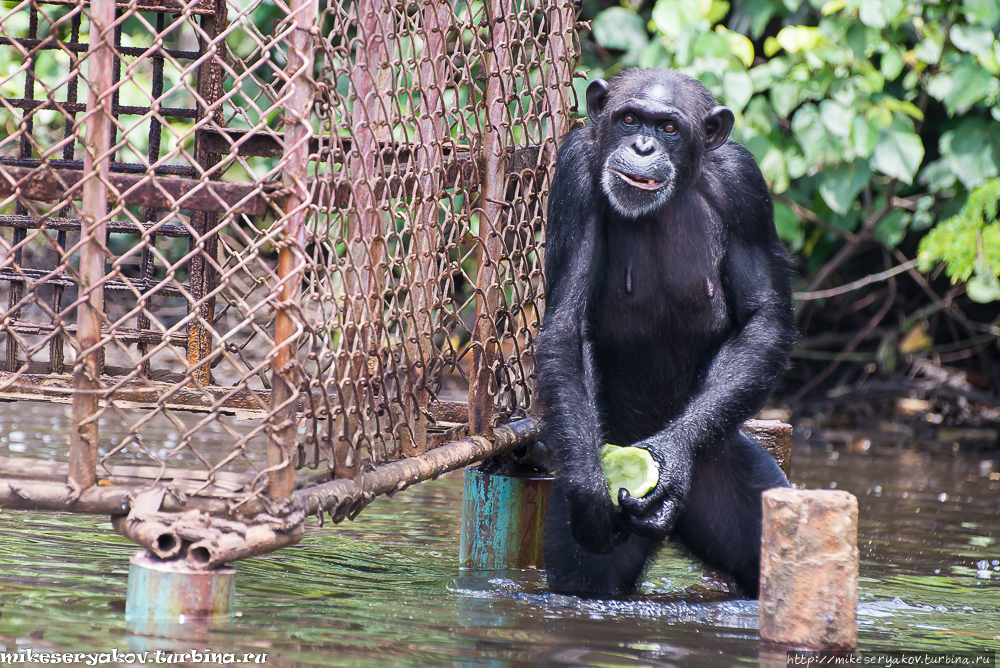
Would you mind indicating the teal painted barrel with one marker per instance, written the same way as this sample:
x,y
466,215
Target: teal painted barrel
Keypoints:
x,y
163,595
502,521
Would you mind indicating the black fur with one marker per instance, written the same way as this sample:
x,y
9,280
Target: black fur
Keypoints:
x,y
664,329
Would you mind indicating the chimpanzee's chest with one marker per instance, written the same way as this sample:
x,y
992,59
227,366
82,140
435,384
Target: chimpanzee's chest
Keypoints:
x,y
661,281
660,318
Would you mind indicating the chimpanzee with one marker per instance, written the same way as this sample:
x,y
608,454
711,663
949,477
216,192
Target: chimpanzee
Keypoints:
x,y
668,322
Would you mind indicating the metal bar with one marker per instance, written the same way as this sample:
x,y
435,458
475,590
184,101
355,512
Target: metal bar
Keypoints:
x,y
148,263
364,281
291,256
201,273
57,345
485,347
24,151
561,17
144,393
74,46
399,475
71,107
115,168
96,159
167,6
52,185
64,225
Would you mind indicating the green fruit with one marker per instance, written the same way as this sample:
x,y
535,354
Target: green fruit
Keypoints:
x,y
631,468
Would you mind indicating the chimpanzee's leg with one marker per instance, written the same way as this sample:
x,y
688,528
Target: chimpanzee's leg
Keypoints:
x,y
573,570
721,520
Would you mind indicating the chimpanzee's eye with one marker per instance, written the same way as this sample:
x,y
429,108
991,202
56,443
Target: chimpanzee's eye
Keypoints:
x,y
669,128
629,119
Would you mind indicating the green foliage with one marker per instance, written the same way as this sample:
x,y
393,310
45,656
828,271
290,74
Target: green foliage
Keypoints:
x,y
969,243
873,115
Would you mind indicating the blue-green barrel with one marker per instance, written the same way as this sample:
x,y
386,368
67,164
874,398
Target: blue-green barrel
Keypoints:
x,y
163,595
503,518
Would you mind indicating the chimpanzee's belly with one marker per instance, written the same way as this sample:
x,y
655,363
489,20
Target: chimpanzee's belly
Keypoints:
x,y
660,319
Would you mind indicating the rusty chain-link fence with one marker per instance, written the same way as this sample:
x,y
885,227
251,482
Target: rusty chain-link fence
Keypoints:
x,y
307,237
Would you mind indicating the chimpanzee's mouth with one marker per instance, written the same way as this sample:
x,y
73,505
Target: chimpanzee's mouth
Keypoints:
x,y
640,181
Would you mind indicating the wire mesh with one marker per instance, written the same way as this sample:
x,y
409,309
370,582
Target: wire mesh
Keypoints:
x,y
290,235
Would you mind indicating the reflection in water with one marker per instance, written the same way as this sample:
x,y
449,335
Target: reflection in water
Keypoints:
x,y
386,589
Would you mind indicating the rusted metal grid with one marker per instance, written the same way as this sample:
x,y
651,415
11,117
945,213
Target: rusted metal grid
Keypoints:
x,y
300,235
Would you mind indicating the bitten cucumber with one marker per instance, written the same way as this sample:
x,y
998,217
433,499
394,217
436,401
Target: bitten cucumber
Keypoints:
x,y
628,467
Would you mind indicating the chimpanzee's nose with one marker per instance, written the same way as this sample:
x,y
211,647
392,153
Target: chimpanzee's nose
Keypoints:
x,y
644,146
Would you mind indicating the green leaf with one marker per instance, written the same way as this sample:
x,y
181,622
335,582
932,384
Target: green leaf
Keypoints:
x,y
891,229
986,12
879,13
983,289
785,97
738,88
798,38
788,225
970,84
739,45
840,186
969,153
760,12
930,47
621,29
836,118
864,138
718,11
899,154
774,169
671,17
937,176
977,40
892,64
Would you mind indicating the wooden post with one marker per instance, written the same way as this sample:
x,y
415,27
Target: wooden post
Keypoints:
x,y
809,569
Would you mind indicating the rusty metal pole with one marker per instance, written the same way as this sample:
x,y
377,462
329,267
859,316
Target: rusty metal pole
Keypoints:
x,y
291,256
96,161
484,335
436,18
371,79
559,51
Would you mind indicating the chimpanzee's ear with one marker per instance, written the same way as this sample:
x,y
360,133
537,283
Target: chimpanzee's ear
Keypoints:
x,y
597,91
718,125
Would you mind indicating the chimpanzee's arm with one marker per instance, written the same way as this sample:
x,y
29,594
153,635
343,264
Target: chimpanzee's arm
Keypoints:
x,y
567,385
743,373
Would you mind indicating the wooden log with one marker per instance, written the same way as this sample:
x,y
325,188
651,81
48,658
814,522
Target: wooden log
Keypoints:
x,y
776,437
809,569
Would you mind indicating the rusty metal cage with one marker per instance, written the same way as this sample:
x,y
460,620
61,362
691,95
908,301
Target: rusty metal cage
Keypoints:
x,y
307,236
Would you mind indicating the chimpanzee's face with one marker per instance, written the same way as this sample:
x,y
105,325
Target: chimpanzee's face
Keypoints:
x,y
654,126
648,139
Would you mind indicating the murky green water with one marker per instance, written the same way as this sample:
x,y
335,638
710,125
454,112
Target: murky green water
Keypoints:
x,y
385,590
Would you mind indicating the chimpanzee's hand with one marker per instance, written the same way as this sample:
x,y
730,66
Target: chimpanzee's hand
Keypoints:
x,y
596,524
653,515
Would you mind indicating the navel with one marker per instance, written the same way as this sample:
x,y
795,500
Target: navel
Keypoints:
x,y
709,288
